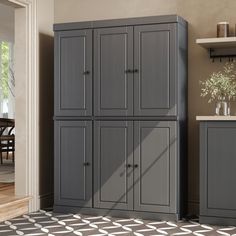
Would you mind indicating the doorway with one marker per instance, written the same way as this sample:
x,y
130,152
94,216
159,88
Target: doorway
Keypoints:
x,y
26,100
7,103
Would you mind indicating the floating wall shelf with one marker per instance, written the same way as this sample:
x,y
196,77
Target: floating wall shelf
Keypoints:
x,y
219,47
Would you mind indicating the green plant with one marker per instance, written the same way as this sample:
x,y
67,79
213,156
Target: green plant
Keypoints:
x,y
220,85
7,82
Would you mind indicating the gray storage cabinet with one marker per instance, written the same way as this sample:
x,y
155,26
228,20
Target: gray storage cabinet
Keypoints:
x,y
217,172
120,117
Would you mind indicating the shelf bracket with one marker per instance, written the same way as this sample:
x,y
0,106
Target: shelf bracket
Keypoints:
x,y
221,53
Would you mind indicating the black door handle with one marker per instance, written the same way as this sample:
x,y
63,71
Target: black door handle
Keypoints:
x,y
128,165
128,71
136,166
86,164
87,72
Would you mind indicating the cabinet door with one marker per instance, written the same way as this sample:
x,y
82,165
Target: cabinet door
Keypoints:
x,y
73,163
154,64
73,73
217,169
155,162
113,51
113,161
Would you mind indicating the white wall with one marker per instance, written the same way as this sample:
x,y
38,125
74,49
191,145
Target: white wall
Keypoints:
x,y
7,22
20,102
45,19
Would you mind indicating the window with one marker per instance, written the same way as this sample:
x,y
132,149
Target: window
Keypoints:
x,y
7,80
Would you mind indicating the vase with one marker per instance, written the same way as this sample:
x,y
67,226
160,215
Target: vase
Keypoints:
x,y
222,108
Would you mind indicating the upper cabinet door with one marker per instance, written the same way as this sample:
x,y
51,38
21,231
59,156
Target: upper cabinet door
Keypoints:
x,y
113,77
154,66
73,73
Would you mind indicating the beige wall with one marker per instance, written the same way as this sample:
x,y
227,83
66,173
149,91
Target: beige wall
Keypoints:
x,y
202,16
7,22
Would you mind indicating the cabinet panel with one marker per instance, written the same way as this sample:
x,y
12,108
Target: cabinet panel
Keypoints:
x,y
113,51
154,60
113,153
217,163
73,163
73,73
155,147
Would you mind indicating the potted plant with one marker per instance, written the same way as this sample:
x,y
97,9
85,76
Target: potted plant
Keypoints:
x,y
221,88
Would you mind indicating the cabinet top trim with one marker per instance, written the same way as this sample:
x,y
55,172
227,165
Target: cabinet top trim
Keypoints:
x,y
120,22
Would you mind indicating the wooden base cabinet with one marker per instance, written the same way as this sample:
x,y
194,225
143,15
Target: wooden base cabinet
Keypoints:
x,y
217,172
120,117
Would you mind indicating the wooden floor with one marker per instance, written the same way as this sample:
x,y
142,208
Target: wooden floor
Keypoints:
x,y
11,205
7,193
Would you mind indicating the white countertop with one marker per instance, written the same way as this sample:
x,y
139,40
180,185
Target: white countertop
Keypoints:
x,y
219,118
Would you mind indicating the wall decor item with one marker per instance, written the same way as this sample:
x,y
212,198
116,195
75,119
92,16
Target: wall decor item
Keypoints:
x,y
220,87
223,29
120,117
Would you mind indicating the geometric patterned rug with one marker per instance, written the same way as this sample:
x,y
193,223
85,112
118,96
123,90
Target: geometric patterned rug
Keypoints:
x,y
54,224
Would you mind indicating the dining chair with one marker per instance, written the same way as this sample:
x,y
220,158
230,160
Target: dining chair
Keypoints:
x,y
7,138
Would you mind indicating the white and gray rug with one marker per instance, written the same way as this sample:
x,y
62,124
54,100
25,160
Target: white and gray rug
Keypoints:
x,y
7,172
52,224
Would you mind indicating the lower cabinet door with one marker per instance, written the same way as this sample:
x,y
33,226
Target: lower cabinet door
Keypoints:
x,y
113,165
155,162
73,163
218,170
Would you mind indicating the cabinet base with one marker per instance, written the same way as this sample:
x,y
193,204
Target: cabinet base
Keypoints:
x,y
217,220
117,213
